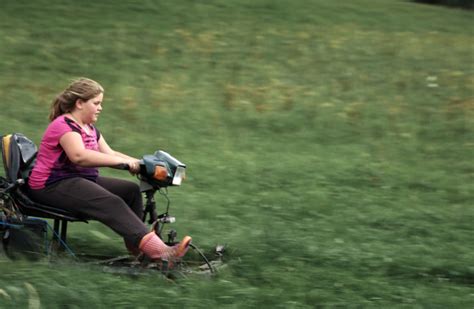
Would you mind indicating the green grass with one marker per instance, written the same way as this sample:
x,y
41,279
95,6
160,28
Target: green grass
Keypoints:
x,y
328,143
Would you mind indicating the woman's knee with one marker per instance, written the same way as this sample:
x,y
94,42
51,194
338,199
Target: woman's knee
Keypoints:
x,y
135,189
120,187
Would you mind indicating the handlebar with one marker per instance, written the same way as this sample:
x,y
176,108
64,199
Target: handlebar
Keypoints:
x,y
122,166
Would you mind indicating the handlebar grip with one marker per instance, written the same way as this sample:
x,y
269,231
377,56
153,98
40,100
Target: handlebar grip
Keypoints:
x,y
122,166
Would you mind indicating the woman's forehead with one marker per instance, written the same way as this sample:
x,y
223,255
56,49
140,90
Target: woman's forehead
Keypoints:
x,y
98,98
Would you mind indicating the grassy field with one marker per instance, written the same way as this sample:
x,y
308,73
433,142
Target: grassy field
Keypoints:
x,y
330,144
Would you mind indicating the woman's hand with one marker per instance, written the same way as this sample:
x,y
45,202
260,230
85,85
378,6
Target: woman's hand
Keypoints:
x,y
133,166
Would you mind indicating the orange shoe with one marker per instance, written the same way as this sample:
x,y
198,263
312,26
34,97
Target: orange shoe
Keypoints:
x,y
183,246
179,250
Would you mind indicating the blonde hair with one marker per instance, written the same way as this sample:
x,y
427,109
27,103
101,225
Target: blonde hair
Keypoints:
x,y
81,88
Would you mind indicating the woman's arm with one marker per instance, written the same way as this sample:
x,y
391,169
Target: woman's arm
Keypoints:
x,y
133,163
72,144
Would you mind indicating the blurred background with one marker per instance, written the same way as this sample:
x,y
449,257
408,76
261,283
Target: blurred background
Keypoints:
x,y
329,144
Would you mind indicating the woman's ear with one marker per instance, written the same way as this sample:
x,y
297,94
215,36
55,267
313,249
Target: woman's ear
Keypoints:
x,y
79,103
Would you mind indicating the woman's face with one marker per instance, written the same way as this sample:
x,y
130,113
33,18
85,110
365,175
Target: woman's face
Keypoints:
x,y
91,109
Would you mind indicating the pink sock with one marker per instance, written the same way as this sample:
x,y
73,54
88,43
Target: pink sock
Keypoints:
x,y
155,248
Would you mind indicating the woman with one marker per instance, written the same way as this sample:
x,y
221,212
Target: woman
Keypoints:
x,y
66,172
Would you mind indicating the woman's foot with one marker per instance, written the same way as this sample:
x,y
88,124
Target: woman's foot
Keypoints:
x,y
183,246
153,247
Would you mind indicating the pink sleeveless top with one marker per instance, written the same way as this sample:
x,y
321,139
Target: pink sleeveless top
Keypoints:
x,y
52,163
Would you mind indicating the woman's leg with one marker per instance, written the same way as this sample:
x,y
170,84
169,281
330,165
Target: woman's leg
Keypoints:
x,y
127,190
131,194
89,199
150,244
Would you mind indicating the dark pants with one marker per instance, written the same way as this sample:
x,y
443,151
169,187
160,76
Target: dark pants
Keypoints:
x,y
115,202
